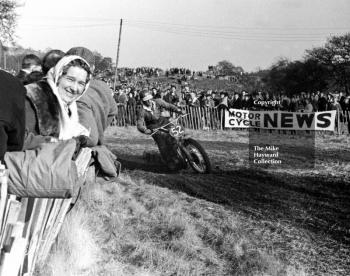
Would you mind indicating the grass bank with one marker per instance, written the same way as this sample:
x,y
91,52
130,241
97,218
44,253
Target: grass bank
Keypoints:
x,y
131,227
237,221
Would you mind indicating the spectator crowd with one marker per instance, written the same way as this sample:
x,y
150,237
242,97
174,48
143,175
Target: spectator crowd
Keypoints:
x,y
186,95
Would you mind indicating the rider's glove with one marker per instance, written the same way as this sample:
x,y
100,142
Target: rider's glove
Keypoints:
x,y
148,131
183,112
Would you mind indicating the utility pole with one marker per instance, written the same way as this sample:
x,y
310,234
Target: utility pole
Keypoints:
x,y
1,54
117,59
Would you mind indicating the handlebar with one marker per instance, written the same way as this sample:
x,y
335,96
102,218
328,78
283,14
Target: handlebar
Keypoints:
x,y
162,128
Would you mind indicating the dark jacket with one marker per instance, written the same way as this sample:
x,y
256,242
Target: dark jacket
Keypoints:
x,y
26,78
168,98
237,104
132,103
150,120
96,109
322,104
21,76
12,113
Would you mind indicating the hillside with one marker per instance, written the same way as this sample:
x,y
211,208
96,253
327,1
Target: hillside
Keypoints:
x,y
236,221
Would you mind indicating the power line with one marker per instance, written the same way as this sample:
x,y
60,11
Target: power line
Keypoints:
x,y
221,32
238,27
229,32
67,26
227,36
159,23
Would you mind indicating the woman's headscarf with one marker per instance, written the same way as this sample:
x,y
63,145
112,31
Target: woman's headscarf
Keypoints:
x,y
69,125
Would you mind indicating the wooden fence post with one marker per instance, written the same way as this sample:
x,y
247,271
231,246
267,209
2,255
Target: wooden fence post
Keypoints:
x,y
207,119
198,117
191,117
222,119
187,117
338,122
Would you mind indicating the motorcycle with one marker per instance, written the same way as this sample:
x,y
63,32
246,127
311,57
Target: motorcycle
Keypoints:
x,y
189,151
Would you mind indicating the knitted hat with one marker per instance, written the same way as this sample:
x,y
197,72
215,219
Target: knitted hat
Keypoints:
x,y
83,52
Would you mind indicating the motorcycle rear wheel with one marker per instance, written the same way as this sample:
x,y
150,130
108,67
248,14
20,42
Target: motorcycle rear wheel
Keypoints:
x,y
198,158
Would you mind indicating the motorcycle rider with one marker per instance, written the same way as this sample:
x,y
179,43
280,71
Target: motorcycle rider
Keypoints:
x,y
148,118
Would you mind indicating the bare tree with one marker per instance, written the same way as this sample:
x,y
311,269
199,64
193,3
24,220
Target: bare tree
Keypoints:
x,y
7,20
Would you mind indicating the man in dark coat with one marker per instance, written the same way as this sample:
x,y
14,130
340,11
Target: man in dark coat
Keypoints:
x,y
12,114
322,103
237,102
31,69
148,118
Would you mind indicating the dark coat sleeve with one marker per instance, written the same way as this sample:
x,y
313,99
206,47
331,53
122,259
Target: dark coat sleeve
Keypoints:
x,y
96,109
140,120
12,113
167,106
87,119
3,140
31,120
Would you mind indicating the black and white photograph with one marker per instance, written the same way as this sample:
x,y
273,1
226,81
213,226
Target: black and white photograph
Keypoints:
x,y
174,138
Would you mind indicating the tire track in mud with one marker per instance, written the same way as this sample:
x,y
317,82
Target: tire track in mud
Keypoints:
x,y
265,196
304,215
310,202
283,211
341,154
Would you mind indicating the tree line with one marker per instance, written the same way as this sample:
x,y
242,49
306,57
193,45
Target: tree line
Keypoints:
x,y
325,68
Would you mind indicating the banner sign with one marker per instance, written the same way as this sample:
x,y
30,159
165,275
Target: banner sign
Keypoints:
x,y
236,118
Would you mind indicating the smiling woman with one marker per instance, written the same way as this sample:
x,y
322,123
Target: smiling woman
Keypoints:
x,y
72,83
51,108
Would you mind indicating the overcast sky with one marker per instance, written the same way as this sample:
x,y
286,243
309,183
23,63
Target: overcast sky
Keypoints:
x,y
184,33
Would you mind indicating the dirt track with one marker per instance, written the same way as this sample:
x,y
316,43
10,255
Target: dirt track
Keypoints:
x,y
316,207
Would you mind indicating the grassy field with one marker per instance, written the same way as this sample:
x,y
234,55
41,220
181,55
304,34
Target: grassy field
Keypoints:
x,y
239,220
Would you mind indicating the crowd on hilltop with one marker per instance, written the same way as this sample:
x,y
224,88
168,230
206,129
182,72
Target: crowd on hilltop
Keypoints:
x,y
186,95
180,71
140,72
155,72
129,74
182,91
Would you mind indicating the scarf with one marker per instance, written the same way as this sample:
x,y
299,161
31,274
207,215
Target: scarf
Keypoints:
x,y
69,119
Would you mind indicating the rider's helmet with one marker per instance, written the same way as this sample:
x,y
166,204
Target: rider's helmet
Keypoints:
x,y
146,98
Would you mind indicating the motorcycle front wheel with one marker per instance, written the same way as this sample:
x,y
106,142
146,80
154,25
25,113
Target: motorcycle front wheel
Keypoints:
x,y
198,158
